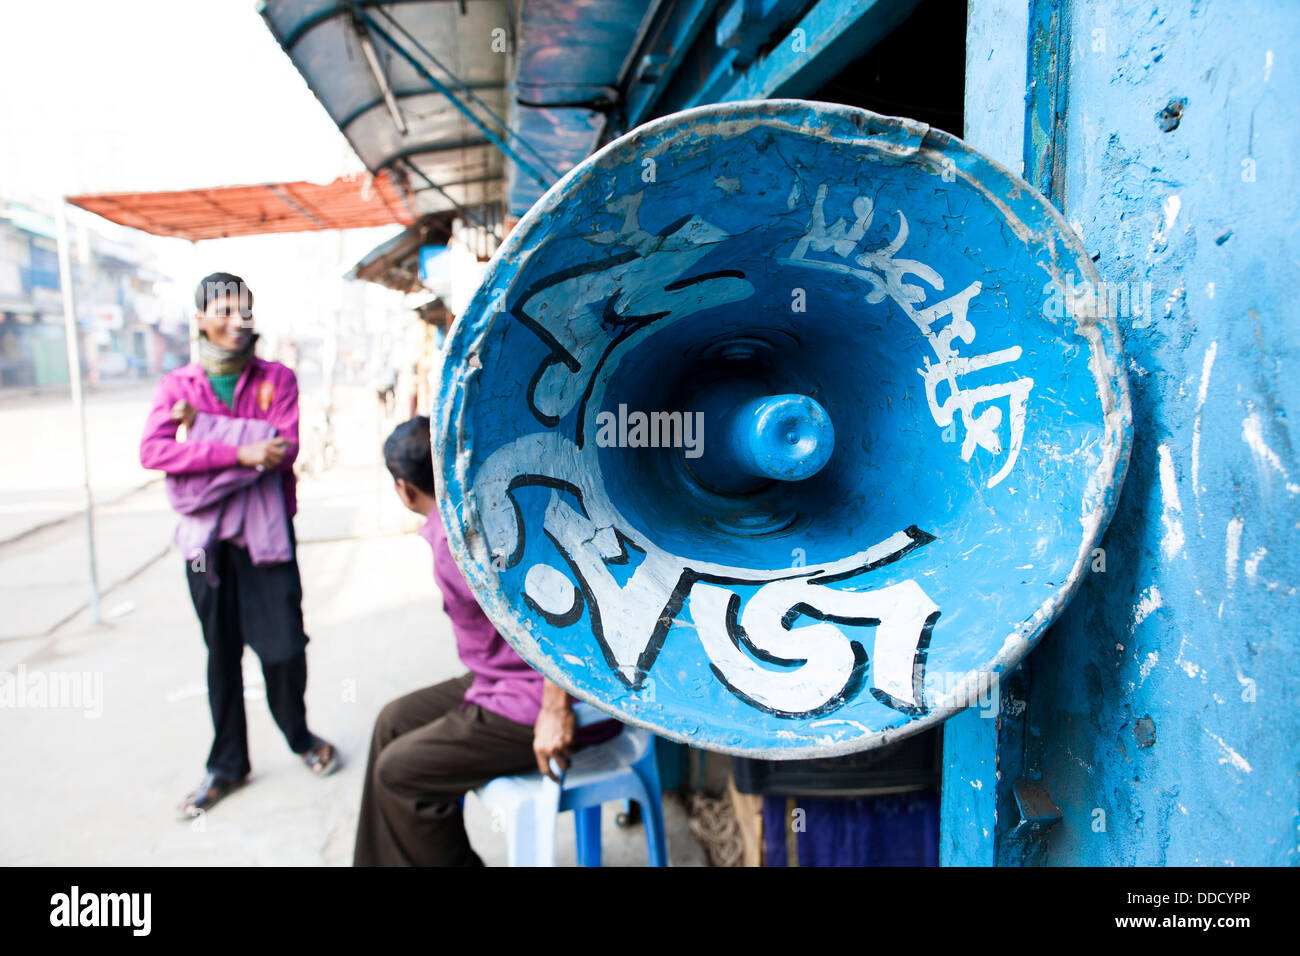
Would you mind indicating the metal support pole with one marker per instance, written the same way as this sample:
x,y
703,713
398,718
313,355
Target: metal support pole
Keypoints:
x,y
193,323
442,88
469,93
465,210
78,400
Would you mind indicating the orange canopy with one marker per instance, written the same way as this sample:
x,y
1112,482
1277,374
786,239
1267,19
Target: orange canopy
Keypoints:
x,y
352,202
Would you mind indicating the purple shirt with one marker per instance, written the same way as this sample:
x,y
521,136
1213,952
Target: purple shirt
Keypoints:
x,y
238,504
265,390
502,683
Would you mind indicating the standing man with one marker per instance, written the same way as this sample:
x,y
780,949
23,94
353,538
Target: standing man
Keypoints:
x,y
237,600
434,745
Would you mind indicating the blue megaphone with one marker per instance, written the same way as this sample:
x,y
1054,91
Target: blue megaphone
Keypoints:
x,y
781,428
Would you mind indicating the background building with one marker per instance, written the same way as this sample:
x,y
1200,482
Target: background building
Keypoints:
x,y
132,318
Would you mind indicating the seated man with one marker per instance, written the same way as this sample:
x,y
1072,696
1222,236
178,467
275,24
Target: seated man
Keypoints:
x,y
434,745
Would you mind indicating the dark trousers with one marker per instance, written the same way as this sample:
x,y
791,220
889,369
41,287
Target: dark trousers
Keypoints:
x,y
427,752
261,607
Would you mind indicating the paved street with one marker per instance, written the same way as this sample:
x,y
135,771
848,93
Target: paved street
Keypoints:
x,y
96,783
40,480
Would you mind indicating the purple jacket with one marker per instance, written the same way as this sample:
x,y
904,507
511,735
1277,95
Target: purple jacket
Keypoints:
x,y
502,683
238,504
266,390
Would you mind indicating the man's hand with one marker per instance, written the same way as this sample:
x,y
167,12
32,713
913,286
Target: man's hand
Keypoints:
x,y
184,413
263,454
554,732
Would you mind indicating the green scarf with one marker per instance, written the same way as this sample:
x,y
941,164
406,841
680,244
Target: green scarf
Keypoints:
x,y
220,361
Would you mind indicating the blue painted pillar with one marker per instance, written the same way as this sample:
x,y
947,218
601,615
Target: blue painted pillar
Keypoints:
x,y
1162,717
983,747
1164,698
968,800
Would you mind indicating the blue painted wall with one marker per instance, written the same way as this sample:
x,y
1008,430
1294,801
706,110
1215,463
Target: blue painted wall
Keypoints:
x,y
1162,713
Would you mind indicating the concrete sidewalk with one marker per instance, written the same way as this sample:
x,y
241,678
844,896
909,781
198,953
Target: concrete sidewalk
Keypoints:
x,y
97,783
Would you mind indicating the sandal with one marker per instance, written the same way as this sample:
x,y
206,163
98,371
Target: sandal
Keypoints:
x,y
322,758
208,794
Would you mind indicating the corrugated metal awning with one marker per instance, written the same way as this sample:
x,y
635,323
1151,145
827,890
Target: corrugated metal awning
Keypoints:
x,y
460,96
573,59
395,263
413,85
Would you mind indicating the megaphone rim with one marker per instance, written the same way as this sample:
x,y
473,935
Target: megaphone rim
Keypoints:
x,y
1106,364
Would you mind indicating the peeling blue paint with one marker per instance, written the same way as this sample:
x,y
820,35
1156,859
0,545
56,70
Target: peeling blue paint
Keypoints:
x,y
912,258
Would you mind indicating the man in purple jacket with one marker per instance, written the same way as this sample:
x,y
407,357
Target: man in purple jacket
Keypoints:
x,y
257,604
434,745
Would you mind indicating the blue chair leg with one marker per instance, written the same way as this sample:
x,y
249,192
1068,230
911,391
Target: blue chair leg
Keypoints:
x,y
586,825
652,807
652,818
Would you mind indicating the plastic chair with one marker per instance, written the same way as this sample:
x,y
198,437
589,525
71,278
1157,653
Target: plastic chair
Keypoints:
x,y
623,768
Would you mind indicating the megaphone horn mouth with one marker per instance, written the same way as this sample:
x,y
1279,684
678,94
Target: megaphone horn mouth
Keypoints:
x,y
785,446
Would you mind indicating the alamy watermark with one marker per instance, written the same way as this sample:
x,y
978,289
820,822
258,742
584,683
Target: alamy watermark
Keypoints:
x,y
1113,299
636,429
956,688
53,690
132,911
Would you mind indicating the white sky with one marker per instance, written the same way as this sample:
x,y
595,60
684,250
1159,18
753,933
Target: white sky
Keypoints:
x,y
102,95
142,95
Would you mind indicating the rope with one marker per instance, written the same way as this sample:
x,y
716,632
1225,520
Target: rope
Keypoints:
x,y
714,824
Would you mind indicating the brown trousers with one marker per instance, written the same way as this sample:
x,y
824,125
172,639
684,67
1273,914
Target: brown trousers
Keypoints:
x,y
426,754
